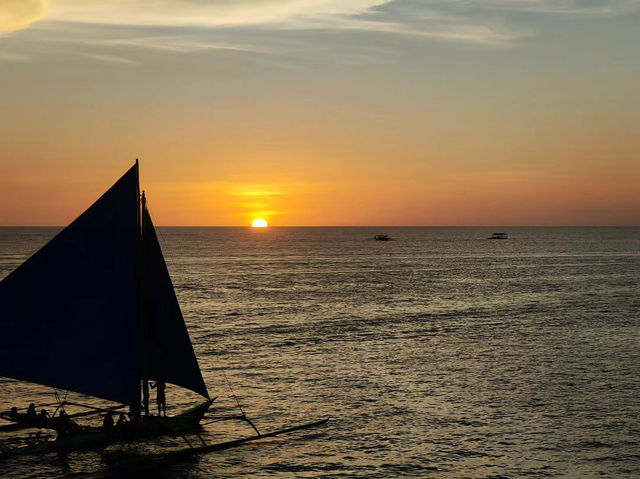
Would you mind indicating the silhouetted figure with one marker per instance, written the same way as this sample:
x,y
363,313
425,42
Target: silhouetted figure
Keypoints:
x,y
107,423
134,425
31,411
134,410
160,397
65,423
14,415
121,425
43,417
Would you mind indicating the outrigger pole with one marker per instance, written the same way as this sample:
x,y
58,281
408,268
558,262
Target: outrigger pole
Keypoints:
x,y
192,451
238,442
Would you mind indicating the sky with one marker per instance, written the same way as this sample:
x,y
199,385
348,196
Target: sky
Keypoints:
x,y
324,112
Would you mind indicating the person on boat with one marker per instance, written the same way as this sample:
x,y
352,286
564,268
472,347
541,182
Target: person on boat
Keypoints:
x,y
14,415
121,426
66,425
134,410
31,417
43,417
160,397
107,423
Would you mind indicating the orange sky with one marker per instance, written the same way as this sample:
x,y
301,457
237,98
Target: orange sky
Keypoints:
x,y
371,113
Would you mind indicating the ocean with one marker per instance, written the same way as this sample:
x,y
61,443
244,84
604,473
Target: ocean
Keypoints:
x,y
438,354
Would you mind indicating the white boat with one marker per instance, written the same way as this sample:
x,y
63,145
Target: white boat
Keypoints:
x,y
499,236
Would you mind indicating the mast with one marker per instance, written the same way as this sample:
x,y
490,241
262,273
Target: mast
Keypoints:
x,y
166,352
144,301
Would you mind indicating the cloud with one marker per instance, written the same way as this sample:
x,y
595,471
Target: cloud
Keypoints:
x,y
112,59
304,14
427,19
565,7
16,14
172,43
216,13
13,57
483,22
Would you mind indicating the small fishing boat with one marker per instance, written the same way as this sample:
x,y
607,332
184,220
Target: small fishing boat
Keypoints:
x,y
94,311
499,236
382,238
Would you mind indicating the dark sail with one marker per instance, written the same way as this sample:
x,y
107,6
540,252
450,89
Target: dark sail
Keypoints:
x,y
69,315
170,354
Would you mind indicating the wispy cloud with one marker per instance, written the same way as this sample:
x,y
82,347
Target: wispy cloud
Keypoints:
x,y
112,59
207,13
481,22
565,7
13,57
428,19
16,14
172,43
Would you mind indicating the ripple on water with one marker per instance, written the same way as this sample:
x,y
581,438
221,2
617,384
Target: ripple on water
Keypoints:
x,y
440,354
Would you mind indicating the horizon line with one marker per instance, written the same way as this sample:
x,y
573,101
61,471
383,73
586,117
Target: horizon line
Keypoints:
x,y
362,226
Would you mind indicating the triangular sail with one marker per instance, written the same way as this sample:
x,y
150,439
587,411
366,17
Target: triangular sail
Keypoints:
x,y
69,315
170,354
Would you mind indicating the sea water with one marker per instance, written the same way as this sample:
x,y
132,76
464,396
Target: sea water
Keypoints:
x,y
438,354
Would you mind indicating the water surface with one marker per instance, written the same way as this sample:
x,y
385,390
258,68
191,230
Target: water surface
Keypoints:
x,y
440,354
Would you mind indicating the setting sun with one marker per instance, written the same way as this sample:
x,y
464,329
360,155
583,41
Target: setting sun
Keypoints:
x,y
259,223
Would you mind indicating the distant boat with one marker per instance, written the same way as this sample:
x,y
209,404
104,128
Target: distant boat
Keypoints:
x,y
94,311
382,238
502,236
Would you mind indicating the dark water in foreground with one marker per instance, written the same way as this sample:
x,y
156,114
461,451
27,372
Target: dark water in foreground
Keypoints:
x,y
440,354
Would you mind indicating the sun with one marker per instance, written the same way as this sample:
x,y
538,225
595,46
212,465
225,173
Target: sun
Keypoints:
x,y
259,223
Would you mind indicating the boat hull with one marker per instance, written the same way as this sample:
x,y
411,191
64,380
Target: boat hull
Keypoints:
x,y
96,438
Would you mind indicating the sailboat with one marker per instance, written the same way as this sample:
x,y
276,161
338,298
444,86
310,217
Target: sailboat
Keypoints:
x,y
94,311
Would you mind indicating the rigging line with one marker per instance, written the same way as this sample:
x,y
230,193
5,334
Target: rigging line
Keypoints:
x,y
56,394
161,238
233,394
61,403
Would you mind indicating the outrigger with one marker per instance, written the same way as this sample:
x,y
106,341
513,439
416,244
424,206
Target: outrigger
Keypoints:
x,y
94,311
